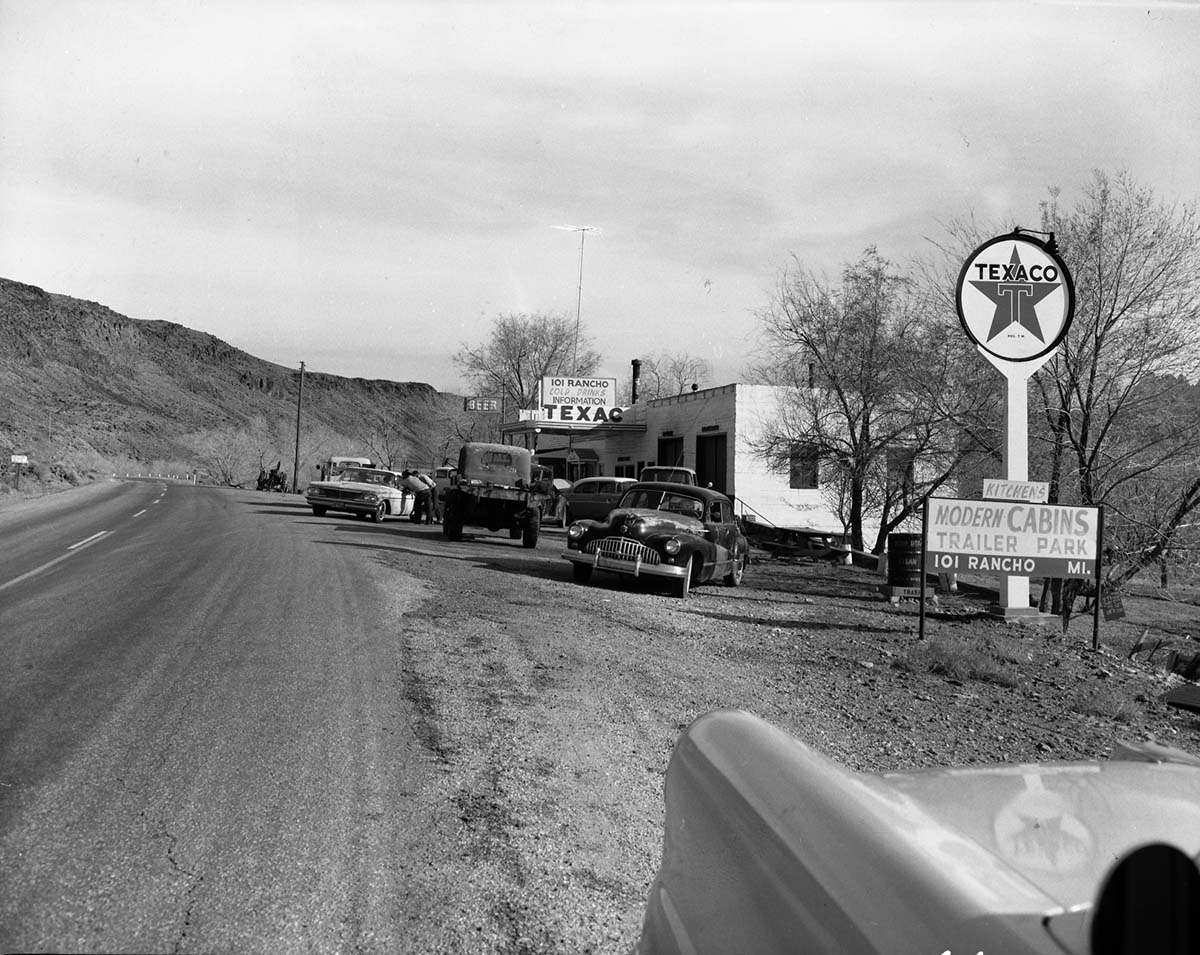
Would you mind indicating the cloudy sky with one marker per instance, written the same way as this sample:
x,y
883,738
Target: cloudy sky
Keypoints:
x,y
365,185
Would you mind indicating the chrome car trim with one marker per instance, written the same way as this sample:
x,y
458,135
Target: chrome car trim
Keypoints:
x,y
636,569
622,549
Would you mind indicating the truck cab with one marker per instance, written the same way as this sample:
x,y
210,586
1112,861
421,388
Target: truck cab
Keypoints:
x,y
671,475
495,488
333,466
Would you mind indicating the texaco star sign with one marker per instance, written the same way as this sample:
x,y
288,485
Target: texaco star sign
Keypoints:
x,y
1015,298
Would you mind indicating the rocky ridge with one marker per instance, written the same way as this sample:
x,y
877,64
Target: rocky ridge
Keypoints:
x,y
77,377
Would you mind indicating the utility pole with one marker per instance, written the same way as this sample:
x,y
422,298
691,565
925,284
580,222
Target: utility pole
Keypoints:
x,y
583,230
296,462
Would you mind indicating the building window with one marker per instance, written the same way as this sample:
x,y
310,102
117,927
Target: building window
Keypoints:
x,y
803,470
670,450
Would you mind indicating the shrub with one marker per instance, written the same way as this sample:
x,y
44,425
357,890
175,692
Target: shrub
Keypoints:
x,y
1102,701
959,659
66,473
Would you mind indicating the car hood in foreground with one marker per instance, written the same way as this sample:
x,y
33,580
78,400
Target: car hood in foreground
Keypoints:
x,y
769,846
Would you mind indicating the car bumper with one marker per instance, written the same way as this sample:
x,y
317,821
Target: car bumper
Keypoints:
x,y
616,565
340,504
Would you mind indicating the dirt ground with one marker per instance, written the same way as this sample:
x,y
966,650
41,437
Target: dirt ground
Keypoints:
x,y
549,711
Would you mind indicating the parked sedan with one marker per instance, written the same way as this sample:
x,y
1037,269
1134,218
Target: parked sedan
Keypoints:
x,y
366,492
686,535
592,498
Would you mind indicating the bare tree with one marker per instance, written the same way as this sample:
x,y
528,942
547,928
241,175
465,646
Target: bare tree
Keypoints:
x,y
866,380
273,438
385,441
317,444
1107,397
523,349
458,429
665,374
227,454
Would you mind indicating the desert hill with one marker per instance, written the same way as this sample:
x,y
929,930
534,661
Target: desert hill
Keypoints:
x,y
82,384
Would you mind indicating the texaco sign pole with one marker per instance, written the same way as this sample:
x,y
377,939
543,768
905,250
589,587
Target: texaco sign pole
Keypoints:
x,y
1015,300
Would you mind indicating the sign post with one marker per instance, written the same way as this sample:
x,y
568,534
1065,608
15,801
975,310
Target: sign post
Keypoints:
x,y
1015,300
20,460
1014,592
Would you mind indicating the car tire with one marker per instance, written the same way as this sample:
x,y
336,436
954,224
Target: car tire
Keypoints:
x,y
581,573
682,586
734,577
452,525
529,536
379,513
318,511
514,533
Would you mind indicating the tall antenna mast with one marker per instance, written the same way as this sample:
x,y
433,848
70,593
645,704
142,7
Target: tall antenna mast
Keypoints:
x,y
583,230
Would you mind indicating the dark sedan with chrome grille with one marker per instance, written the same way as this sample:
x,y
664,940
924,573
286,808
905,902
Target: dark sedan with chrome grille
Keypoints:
x,y
686,535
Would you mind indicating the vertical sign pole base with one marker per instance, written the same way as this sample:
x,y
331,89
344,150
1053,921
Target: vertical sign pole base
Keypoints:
x,y
1014,590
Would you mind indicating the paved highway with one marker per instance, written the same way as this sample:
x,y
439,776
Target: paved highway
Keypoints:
x,y
204,741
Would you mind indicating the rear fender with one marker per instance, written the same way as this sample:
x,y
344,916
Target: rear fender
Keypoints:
x,y
771,847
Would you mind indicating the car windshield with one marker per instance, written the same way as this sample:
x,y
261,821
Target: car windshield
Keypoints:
x,y
657,500
360,476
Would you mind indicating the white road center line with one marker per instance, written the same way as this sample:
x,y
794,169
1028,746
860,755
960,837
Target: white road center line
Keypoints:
x,y
87,540
140,513
73,549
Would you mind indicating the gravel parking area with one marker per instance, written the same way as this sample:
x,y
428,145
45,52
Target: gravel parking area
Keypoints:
x,y
549,710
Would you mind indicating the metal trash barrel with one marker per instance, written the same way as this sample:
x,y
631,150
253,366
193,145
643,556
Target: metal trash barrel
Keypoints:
x,y
904,561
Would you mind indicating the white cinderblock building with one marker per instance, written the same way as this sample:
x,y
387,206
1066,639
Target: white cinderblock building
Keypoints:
x,y
713,431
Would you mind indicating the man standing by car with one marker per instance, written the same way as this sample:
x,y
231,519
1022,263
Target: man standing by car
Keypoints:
x,y
433,511
421,506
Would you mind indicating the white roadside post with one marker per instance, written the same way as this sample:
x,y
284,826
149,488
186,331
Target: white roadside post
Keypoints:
x,y
1015,301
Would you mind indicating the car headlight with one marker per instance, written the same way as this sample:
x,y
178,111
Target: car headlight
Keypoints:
x,y
671,546
575,531
371,498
